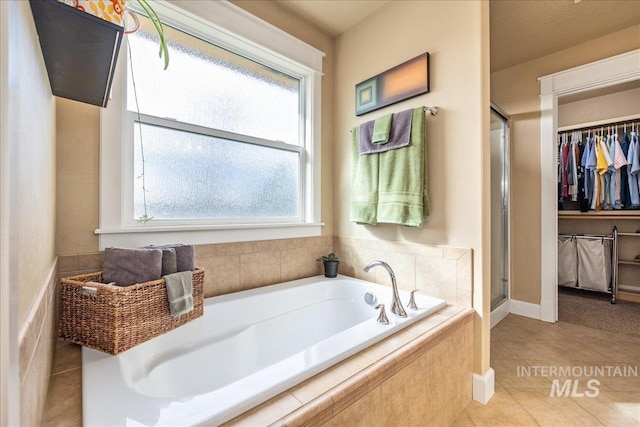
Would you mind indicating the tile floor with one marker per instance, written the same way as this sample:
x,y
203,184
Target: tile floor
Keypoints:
x,y
524,398
517,343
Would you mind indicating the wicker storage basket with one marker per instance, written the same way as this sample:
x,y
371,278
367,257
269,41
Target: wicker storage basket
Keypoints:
x,y
113,319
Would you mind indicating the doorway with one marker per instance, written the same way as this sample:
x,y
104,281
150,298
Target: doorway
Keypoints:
x,y
618,69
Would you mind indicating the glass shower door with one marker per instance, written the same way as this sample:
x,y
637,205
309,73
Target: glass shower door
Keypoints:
x,y
499,208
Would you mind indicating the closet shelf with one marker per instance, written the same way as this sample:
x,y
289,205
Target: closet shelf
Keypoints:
x,y
631,215
628,295
629,262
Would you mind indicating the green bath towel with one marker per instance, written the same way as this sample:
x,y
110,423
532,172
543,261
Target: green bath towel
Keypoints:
x,y
391,187
381,129
402,186
364,183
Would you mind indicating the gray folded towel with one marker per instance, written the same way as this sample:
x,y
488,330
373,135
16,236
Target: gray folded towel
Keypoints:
x,y
126,266
184,258
179,292
169,261
399,135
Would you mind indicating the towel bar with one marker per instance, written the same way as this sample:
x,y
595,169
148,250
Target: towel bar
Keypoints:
x,y
431,110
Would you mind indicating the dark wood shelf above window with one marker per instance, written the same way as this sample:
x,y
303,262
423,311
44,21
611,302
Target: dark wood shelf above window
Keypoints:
x,y
79,50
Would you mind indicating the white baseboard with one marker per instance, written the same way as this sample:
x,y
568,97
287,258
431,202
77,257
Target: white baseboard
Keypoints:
x,y
500,313
483,386
526,309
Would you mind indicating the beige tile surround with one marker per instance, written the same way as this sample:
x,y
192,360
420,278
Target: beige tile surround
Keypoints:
x,y
440,271
233,267
37,338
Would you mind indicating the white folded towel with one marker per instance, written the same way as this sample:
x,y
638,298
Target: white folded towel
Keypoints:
x,y
179,292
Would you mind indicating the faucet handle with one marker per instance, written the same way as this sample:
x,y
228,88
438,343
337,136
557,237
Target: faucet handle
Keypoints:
x,y
412,300
382,317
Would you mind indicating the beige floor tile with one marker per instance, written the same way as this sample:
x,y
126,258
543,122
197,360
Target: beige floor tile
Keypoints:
x,y
500,351
583,333
613,408
553,411
501,410
68,356
622,383
518,343
579,374
514,373
616,353
464,420
68,410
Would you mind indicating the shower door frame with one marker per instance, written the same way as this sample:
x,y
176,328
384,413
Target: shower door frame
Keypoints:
x,y
503,308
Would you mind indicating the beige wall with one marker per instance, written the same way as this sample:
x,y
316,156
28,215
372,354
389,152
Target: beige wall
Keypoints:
x,y
33,117
78,186
29,212
398,31
516,91
597,108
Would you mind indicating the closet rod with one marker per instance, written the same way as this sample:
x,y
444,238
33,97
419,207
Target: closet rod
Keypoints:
x,y
588,236
601,124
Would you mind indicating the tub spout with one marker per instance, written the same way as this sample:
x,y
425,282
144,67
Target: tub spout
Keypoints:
x,y
396,305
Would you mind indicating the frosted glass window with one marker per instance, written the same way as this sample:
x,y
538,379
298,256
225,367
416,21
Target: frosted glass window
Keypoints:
x,y
193,176
209,86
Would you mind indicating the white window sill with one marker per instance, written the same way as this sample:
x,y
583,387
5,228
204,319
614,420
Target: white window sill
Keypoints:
x,y
202,235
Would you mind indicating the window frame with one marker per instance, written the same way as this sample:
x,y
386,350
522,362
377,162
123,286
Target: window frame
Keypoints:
x,y
232,28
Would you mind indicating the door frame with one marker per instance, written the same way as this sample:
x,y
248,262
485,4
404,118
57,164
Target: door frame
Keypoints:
x,y
599,74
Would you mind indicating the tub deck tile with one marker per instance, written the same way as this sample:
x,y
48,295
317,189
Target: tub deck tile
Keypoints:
x,y
316,412
268,412
326,380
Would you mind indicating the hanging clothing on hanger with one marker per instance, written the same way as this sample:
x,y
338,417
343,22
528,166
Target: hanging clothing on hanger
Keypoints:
x,y
619,160
572,166
633,171
595,168
591,172
625,196
602,167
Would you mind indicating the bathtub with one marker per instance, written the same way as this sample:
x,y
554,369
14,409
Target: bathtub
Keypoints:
x,y
247,347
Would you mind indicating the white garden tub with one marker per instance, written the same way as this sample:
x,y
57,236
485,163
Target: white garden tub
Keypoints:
x,y
248,347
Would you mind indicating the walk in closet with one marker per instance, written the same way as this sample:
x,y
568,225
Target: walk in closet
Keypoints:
x,y
598,191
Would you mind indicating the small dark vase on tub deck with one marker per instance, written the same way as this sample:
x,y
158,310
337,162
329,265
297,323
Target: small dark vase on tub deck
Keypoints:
x,y
331,268
330,262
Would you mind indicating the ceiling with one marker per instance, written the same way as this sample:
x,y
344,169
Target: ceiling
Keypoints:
x,y
521,30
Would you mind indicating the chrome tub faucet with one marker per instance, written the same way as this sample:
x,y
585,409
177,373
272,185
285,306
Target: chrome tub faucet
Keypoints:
x,y
396,304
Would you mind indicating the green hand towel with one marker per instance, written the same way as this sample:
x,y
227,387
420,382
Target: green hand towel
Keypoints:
x,y
402,187
364,183
381,129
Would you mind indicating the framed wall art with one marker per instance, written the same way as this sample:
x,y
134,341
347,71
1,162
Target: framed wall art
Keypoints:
x,y
401,82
